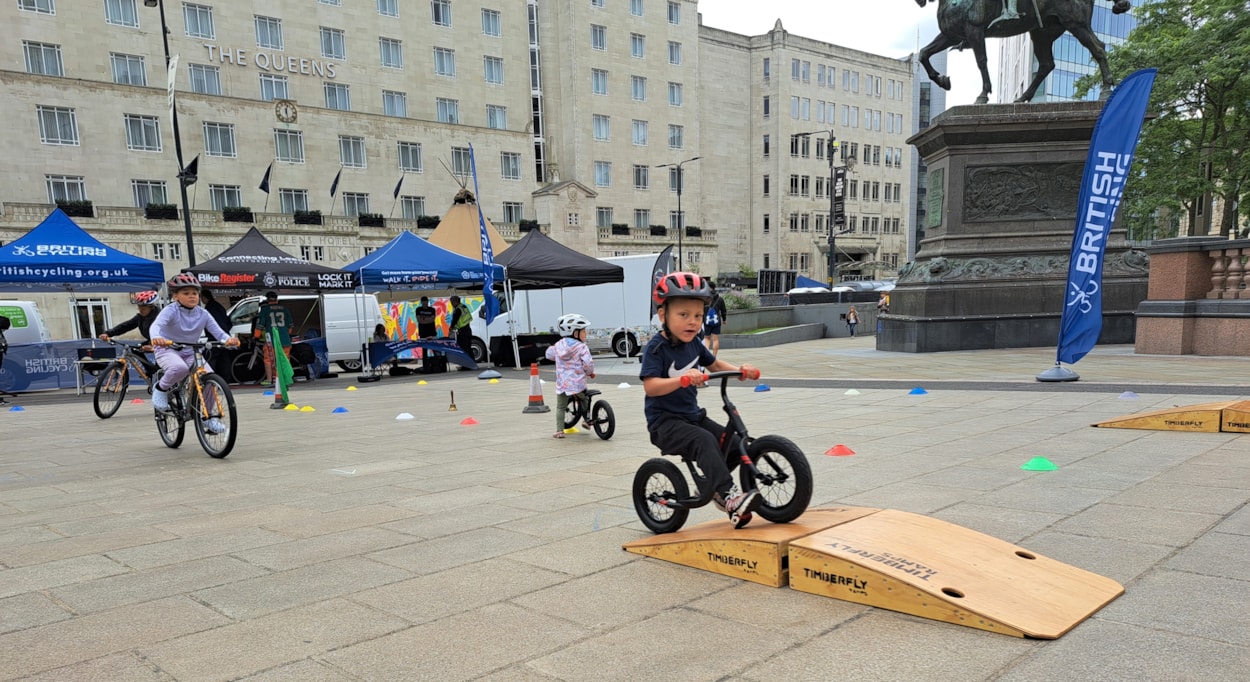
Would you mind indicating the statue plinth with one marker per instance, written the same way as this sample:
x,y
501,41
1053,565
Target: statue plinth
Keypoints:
x,y
1001,202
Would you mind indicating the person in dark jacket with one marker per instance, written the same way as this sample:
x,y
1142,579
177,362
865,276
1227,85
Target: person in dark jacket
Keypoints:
x,y
148,302
713,318
216,309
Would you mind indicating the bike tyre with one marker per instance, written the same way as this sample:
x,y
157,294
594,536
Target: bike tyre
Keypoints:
x,y
570,413
242,373
169,424
661,478
110,390
217,445
784,501
603,419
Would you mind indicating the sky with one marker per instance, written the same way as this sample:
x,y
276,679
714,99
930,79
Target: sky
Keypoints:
x,y
891,28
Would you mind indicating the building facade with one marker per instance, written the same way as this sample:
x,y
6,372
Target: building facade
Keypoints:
x,y
585,116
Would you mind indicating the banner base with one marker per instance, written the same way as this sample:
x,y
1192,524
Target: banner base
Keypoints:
x,y
1058,373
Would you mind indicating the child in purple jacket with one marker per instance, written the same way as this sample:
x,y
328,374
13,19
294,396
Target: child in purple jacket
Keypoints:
x,y
573,365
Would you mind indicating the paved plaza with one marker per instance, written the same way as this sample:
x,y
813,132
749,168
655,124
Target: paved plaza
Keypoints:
x,y
354,546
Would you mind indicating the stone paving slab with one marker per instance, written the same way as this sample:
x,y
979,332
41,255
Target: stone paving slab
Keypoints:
x,y
357,547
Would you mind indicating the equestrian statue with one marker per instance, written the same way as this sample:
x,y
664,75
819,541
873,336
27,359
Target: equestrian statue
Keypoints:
x,y
967,23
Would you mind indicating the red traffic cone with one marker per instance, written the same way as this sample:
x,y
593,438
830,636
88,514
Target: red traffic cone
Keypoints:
x,y
839,450
536,404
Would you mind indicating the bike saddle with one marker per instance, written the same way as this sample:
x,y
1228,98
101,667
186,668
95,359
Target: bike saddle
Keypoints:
x,y
590,393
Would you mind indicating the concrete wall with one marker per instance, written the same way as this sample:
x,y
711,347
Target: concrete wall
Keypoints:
x,y
831,315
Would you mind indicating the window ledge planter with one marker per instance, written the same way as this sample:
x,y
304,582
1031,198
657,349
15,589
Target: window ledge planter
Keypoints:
x,y
692,231
622,230
371,220
659,231
527,225
160,212
77,209
308,217
237,214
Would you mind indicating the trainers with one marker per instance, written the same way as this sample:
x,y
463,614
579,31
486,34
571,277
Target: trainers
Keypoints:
x,y
739,506
160,399
719,500
214,426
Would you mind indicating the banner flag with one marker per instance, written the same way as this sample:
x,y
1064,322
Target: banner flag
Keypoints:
x,y
264,182
334,186
395,194
1102,185
285,374
489,302
191,172
663,266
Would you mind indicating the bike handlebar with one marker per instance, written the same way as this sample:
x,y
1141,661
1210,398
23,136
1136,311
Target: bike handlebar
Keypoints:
x,y
179,345
727,374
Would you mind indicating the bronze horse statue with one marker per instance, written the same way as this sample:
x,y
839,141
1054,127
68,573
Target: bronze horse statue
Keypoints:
x,y
967,23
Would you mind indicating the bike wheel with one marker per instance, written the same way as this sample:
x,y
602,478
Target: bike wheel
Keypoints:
x,y
110,390
219,405
785,478
247,368
169,423
657,484
603,419
570,414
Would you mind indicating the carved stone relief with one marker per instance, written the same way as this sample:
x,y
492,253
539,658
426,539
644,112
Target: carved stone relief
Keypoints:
x,y
941,269
1021,192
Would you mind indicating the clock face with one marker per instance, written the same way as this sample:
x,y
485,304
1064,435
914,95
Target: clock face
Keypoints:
x,y
285,110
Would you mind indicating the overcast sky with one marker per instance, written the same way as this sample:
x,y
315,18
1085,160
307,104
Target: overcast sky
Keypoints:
x,y
891,28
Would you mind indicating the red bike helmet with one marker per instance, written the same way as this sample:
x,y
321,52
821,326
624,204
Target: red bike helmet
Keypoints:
x,y
147,298
183,280
681,285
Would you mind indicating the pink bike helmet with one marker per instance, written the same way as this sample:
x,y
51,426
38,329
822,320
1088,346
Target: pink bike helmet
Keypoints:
x,y
147,298
183,280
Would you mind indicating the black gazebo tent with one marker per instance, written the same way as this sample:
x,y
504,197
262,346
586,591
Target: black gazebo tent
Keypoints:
x,y
539,262
254,264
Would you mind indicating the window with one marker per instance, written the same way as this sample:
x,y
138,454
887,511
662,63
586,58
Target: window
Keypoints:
x,y
128,69
268,32
674,94
121,13
642,218
273,87
490,23
148,192
597,3
637,45
642,177
513,212
43,58
598,37
440,12
460,161
496,117
392,52
493,67
805,109
332,43
640,133
336,3
445,62
388,8
638,85
675,136
338,96
225,196
288,146
448,110
794,69
674,12
219,139
314,253
354,204
602,126
674,52
40,6
598,82
198,20
409,156
807,72
635,7
57,125
352,151
767,106
510,165
768,72
820,74
794,223
66,188
574,219
143,133
413,207
676,220
767,224
293,200
394,103
794,107
794,192
767,146
603,174
603,216
205,80
767,186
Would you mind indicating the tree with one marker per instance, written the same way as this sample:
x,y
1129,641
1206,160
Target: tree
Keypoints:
x,y
1195,146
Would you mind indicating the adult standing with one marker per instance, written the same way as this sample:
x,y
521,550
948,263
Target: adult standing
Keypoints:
x,y
5,323
217,357
272,317
852,320
425,319
461,318
713,318
883,304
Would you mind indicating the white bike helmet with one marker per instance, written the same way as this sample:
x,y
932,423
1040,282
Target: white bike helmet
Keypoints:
x,y
567,324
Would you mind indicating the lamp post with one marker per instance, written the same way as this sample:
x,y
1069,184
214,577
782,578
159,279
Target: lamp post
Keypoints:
x,y
185,178
681,217
836,191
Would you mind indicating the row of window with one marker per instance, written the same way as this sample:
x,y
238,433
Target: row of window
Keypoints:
x,y
637,45
826,76
638,87
800,186
642,218
641,175
801,147
803,222
601,126
636,9
826,112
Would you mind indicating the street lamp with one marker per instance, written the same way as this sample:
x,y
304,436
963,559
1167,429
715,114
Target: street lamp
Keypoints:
x,y
681,217
834,177
185,176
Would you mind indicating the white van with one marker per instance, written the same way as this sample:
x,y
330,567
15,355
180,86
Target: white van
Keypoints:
x,y
26,324
345,320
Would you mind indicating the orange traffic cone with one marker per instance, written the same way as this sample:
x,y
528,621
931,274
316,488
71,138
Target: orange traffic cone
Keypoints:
x,y
536,404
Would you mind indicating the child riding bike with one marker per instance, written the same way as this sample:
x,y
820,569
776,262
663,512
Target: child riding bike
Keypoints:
x,y
148,303
670,374
182,322
573,365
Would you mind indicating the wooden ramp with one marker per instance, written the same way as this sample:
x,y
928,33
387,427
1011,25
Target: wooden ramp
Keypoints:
x,y
1204,418
899,561
1236,418
758,553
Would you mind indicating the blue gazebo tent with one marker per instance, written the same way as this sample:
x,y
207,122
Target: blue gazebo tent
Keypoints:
x,y
59,256
410,263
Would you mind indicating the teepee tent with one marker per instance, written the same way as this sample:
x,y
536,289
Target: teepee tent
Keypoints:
x,y
459,231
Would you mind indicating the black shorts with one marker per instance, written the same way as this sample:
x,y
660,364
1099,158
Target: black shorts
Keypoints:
x,y
711,329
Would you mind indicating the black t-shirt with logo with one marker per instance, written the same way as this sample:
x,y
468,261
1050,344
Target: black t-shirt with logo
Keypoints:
x,y
662,359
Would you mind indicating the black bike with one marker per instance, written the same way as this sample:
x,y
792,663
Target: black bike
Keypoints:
x,y
772,464
204,399
597,414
